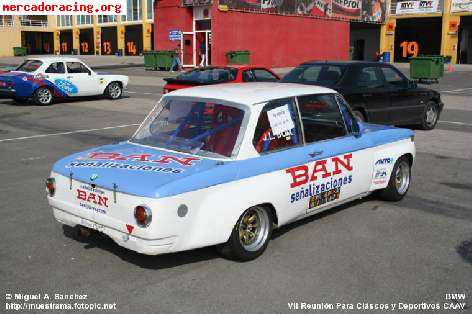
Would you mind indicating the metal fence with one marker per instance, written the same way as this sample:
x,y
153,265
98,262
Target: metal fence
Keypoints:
x,y
35,23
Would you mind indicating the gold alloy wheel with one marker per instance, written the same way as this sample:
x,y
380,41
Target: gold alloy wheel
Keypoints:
x,y
254,229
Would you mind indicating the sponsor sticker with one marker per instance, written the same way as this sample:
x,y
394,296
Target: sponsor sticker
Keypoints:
x,y
320,181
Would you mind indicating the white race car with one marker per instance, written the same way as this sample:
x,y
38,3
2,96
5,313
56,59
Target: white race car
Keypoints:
x,y
45,79
224,165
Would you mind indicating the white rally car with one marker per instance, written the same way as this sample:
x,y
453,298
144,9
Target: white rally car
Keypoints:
x,y
45,79
224,165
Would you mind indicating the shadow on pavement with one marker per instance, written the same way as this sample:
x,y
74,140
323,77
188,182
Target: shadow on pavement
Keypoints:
x,y
101,241
465,251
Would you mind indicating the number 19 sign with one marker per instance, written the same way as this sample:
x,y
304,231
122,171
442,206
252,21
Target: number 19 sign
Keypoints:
x,y
410,49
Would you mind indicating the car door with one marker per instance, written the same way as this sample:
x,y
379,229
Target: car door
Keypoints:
x,y
278,140
338,161
366,92
405,102
82,80
56,74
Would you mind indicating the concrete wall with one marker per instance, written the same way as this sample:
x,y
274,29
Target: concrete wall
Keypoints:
x,y
10,37
169,15
273,40
278,41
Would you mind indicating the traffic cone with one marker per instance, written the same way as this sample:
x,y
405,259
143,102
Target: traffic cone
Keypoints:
x,y
450,68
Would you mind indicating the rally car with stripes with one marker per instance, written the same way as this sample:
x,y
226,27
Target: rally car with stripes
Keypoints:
x,y
225,164
45,79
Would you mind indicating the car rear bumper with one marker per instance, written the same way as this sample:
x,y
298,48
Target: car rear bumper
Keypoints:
x,y
126,240
8,92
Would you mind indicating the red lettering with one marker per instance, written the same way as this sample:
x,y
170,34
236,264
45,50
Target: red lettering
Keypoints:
x,y
141,157
105,156
346,163
187,161
81,195
103,201
320,166
91,198
300,178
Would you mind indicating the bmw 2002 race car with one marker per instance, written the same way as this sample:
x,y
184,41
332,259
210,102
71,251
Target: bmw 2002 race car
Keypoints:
x,y
44,79
225,165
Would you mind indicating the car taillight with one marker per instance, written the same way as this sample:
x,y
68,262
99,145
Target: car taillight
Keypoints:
x,y
143,215
51,186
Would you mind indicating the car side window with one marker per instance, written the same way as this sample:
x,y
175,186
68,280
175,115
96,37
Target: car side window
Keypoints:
x,y
369,77
348,117
321,117
311,74
278,126
248,76
76,67
56,67
262,75
392,77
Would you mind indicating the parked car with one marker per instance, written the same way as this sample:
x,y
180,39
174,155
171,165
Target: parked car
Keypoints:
x,y
218,75
44,80
225,164
377,92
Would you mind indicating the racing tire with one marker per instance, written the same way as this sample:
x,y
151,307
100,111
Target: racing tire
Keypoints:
x,y
250,236
399,182
114,90
430,116
359,115
43,96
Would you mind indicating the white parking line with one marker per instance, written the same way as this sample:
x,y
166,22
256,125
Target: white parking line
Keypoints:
x,y
455,122
136,124
131,92
67,133
456,90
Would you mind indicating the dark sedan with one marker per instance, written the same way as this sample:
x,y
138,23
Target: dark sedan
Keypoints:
x,y
377,92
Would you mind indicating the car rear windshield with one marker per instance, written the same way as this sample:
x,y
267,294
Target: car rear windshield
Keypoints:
x,y
195,126
208,75
29,66
316,74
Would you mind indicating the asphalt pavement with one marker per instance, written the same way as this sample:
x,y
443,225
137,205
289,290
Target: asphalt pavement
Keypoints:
x,y
366,252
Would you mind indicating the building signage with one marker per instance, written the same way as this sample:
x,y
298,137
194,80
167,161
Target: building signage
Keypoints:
x,y
372,11
195,3
461,6
422,6
175,35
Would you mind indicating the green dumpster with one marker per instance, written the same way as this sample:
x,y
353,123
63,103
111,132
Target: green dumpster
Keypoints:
x,y
150,60
427,68
164,59
237,57
19,51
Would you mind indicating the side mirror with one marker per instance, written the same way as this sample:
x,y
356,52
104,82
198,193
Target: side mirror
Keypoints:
x,y
412,84
356,127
